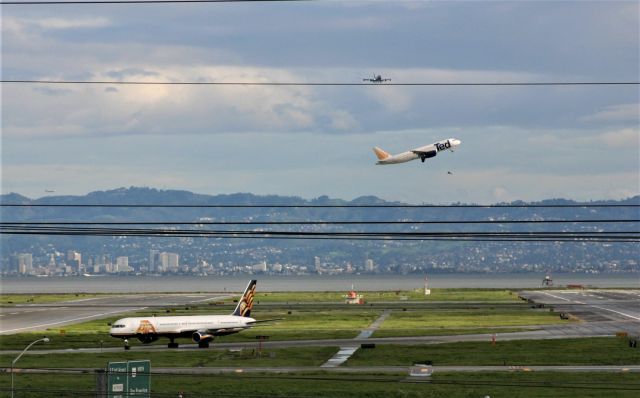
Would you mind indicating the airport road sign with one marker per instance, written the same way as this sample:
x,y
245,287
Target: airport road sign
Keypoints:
x,y
117,379
129,379
139,378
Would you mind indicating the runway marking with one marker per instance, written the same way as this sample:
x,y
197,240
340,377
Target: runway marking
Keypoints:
x,y
594,306
87,299
70,320
212,298
346,351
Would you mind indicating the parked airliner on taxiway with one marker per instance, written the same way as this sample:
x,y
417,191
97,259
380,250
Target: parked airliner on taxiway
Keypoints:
x,y
200,328
422,153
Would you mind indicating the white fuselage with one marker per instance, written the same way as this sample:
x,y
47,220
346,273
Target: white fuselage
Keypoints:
x,y
414,154
169,326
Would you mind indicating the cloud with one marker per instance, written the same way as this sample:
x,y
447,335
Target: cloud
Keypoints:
x,y
624,138
615,113
518,142
17,24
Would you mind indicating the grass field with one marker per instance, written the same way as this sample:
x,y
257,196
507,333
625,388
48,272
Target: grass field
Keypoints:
x,y
303,356
323,315
434,321
13,299
305,297
332,322
391,296
589,351
445,385
329,324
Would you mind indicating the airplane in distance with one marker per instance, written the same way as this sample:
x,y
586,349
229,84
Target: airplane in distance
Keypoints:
x,y
422,153
376,79
200,328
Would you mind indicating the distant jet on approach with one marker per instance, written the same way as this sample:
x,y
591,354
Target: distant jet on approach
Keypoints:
x,y
376,79
200,328
422,153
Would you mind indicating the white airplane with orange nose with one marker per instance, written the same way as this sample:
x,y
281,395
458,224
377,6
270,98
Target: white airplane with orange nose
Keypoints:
x,y
423,153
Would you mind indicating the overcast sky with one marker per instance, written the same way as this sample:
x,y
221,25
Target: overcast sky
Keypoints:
x,y
528,143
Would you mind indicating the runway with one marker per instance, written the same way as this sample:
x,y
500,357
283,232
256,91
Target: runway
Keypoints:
x,y
600,312
217,344
31,317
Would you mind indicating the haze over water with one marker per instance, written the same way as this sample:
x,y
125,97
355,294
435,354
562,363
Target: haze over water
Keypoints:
x,y
175,284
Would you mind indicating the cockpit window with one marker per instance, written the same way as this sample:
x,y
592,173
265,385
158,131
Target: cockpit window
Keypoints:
x,y
118,326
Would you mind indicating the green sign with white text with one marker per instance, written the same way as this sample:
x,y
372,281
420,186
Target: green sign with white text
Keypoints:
x,y
139,380
129,379
116,379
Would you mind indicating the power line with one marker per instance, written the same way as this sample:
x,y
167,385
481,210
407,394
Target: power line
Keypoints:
x,y
543,236
386,222
310,206
76,2
195,83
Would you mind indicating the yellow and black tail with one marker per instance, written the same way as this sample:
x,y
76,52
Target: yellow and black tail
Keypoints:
x,y
246,301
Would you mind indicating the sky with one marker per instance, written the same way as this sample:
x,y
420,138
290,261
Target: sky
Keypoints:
x,y
518,143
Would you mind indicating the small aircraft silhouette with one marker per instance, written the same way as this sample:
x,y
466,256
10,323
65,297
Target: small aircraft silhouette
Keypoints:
x,y
49,190
376,79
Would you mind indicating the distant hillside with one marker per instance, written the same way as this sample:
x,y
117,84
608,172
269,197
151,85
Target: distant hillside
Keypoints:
x,y
412,256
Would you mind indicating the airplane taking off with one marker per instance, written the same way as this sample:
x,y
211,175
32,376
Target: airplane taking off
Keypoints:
x,y
422,153
200,328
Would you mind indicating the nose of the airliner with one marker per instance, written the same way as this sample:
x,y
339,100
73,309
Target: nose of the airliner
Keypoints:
x,y
456,142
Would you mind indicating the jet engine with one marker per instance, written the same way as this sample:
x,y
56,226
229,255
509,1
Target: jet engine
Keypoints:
x,y
427,155
201,337
147,338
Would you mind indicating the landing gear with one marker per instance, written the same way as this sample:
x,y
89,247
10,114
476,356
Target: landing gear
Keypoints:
x,y
423,158
172,344
203,344
126,344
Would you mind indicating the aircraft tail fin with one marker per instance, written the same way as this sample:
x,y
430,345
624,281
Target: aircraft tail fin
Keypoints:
x,y
246,301
381,154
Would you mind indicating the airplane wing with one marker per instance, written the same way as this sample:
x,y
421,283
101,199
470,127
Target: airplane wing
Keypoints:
x,y
425,154
430,153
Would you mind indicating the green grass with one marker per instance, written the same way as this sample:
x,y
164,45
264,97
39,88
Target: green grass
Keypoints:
x,y
299,325
302,356
445,385
391,296
588,351
425,322
44,298
449,331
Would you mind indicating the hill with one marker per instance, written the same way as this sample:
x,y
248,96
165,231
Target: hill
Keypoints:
x,y
233,255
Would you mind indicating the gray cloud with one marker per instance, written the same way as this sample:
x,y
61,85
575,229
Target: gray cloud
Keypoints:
x,y
518,142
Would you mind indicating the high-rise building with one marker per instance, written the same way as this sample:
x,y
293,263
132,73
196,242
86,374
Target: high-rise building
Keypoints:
x,y
122,264
154,260
74,260
25,263
260,267
368,265
169,262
